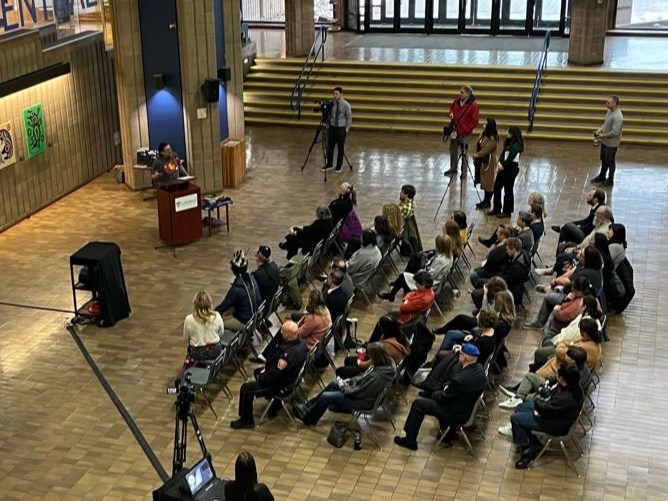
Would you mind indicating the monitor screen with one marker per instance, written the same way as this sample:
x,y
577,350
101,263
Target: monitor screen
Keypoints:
x,y
199,476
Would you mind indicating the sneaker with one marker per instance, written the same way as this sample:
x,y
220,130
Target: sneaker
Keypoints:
x,y
485,242
544,272
240,424
506,430
388,297
507,391
607,182
403,442
556,228
258,360
597,179
450,172
338,170
511,403
326,167
536,326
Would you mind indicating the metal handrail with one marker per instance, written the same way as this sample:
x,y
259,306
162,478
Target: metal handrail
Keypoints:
x,y
537,81
317,50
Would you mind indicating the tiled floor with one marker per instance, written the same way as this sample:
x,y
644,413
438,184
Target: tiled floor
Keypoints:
x,y
621,53
61,438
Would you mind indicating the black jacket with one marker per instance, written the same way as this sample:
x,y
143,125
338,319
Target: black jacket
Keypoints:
x,y
587,224
260,493
496,260
336,301
238,298
557,415
516,274
283,365
267,278
340,208
310,235
459,398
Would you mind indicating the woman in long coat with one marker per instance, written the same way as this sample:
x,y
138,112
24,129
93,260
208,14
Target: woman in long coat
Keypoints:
x,y
484,160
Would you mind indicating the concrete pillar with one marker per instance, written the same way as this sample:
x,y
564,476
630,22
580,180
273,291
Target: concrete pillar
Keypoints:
x,y
129,82
299,27
589,20
197,50
235,87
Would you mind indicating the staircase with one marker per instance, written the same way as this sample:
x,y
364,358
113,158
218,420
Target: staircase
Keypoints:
x,y
416,97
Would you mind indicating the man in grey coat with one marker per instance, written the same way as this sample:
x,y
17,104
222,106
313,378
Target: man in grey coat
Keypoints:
x,y
363,262
610,136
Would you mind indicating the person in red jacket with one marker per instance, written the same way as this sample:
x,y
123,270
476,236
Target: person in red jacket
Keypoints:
x,y
414,303
464,116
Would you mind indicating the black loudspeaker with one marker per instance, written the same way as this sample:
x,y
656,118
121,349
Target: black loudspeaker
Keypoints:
x,y
158,81
210,89
225,73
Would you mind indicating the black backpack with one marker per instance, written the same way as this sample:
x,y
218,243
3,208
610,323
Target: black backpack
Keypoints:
x,y
625,274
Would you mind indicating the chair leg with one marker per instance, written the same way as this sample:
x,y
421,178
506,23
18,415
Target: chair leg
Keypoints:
x,y
201,390
438,308
240,367
540,454
292,419
390,417
568,458
371,433
440,439
368,301
264,413
463,434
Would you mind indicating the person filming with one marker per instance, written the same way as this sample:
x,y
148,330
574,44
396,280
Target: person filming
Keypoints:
x,y
464,116
339,123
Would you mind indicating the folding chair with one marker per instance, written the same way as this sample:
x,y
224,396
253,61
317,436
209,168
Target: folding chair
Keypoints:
x,y
472,422
272,309
369,282
286,395
467,244
315,263
367,413
231,340
203,375
332,248
309,367
337,328
562,440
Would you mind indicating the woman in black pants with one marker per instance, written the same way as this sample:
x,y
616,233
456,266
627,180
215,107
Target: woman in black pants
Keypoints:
x,y
508,168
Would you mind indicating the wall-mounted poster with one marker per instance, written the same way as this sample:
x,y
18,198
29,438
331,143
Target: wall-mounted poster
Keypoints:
x,y
7,145
35,130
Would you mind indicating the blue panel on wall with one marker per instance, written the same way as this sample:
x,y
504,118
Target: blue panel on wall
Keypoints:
x,y
220,62
160,53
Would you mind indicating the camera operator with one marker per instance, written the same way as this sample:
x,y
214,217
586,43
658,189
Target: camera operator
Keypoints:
x,y
609,135
339,122
464,116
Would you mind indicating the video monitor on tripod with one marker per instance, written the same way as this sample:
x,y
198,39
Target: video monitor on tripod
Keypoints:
x,y
199,476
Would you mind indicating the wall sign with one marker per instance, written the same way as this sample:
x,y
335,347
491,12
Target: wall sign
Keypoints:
x,y
15,14
185,202
35,130
7,145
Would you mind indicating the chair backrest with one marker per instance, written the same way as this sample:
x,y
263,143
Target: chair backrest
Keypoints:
x,y
246,332
469,231
379,400
317,252
474,412
304,266
331,238
274,302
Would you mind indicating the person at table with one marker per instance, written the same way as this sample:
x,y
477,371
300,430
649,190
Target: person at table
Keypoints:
x,y
168,166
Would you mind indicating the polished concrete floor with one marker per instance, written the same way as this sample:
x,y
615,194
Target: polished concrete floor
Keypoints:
x,y
621,53
61,437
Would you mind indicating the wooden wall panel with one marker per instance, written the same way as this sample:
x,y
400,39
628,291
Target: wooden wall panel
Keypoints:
x,y
80,112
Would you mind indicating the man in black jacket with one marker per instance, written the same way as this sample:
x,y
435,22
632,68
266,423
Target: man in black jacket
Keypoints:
x,y
307,237
496,259
280,371
267,274
576,231
453,405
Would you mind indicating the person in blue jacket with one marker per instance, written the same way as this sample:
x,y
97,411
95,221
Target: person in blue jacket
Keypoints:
x,y
243,297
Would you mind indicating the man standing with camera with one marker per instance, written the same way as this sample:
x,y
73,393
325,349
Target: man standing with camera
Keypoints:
x,y
464,116
340,120
609,135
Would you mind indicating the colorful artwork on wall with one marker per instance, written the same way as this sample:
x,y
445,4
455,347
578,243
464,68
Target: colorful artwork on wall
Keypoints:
x,y
7,145
35,130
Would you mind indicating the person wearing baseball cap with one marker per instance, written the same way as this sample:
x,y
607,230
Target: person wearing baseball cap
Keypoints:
x,y
266,274
453,405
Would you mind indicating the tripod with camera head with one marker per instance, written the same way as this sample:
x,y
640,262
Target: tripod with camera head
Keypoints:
x,y
462,159
185,397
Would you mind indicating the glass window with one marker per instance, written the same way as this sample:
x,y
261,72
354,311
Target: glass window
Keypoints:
x,y
642,14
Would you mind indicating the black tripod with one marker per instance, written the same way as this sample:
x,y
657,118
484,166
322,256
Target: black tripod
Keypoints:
x,y
462,159
322,130
184,400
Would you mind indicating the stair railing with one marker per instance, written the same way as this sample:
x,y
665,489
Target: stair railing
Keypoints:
x,y
317,51
537,81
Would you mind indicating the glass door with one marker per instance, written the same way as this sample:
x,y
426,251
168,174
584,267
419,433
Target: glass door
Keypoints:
x,y
379,15
445,15
514,15
477,16
413,14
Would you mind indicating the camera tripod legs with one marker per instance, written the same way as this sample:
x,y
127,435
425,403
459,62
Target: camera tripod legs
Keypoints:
x,y
462,160
320,136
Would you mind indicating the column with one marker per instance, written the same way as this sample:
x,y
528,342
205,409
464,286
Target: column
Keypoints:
x,y
299,27
235,87
197,50
129,82
589,21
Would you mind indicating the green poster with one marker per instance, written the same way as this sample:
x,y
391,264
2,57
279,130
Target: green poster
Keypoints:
x,y
35,130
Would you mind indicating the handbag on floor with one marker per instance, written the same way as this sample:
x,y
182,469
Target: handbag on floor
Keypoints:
x,y
338,434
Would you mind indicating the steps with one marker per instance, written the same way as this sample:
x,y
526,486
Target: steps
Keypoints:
x,y
416,97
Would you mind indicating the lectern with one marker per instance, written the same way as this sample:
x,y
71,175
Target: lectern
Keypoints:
x,y
179,211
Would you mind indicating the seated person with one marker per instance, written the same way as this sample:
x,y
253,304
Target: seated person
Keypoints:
x,y
524,232
280,371
347,283
307,237
437,266
267,274
459,217
414,303
482,335
344,203
576,231
202,330
243,296
537,222
394,342
588,264
554,416
561,306
535,200
335,297
617,243
515,274
359,392
364,262
395,218
245,486
451,229
311,327
167,166
384,232
349,236
531,386
496,259
453,405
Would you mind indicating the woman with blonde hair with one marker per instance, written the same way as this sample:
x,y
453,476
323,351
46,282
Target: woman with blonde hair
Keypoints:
x,y
394,217
202,329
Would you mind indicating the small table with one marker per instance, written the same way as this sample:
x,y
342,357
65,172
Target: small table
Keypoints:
x,y
210,205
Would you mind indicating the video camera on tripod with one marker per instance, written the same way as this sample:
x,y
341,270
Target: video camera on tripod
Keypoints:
x,y
325,110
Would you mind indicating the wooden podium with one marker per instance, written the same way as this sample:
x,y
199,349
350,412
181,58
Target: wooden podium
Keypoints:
x,y
179,211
